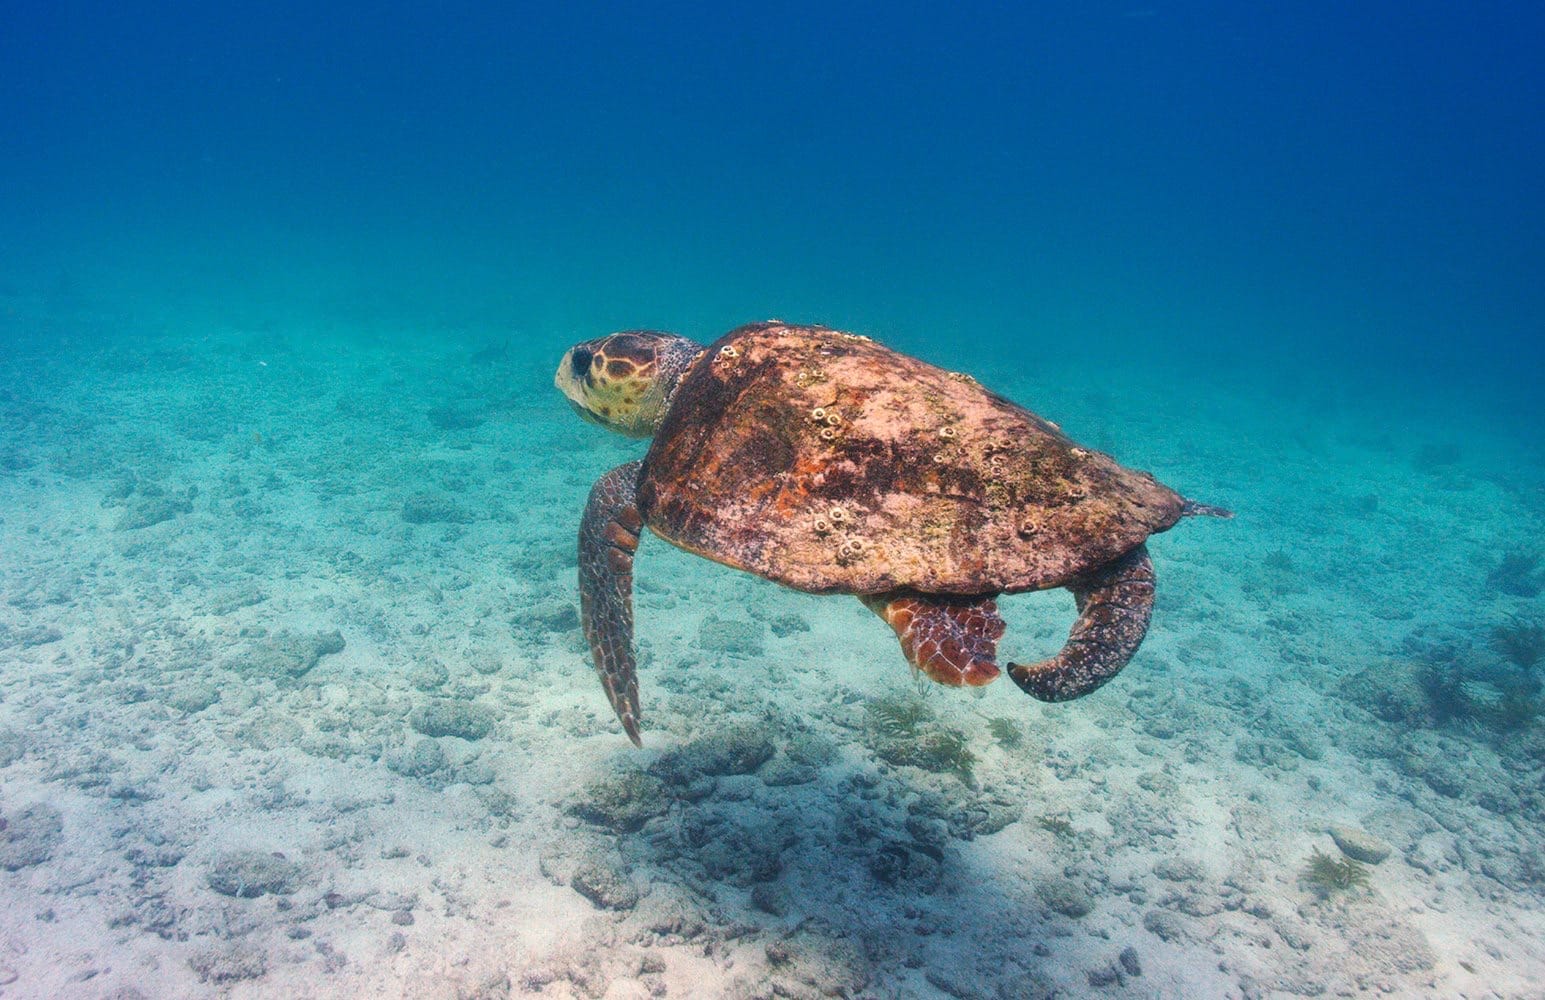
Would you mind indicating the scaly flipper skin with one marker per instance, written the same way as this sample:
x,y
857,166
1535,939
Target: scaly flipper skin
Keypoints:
x,y
608,537
1114,605
953,640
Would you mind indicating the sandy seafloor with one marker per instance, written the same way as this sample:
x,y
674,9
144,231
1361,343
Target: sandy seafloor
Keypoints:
x,y
293,703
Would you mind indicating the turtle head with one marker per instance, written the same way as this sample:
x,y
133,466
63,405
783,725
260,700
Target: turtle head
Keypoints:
x,y
625,382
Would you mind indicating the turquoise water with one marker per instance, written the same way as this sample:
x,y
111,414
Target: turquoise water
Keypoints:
x,y
293,698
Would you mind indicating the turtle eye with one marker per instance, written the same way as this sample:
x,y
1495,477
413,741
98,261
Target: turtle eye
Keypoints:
x,y
579,361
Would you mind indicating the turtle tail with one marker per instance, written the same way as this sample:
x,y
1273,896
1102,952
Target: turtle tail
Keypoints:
x,y
1115,603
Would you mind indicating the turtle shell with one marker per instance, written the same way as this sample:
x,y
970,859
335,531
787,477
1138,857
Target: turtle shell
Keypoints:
x,y
829,463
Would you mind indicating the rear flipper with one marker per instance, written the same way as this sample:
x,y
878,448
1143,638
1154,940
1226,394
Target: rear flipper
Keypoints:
x,y
1114,605
608,537
954,640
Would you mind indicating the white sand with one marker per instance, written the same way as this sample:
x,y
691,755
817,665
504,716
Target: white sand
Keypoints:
x,y
160,710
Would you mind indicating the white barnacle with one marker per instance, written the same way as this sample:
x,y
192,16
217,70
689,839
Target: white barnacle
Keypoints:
x,y
833,418
839,515
947,432
818,414
729,351
828,434
822,526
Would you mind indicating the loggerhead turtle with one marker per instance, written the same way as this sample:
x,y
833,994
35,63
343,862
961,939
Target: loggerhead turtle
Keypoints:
x,y
830,464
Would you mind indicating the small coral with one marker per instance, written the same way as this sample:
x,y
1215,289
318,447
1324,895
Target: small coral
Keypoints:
x,y
1065,896
453,718
905,731
1518,574
1521,641
1057,826
1460,693
1328,874
1443,685
943,751
1007,732
250,874
898,715
1517,709
1279,562
738,749
621,801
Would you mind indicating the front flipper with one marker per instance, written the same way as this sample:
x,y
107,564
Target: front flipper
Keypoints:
x,y
608,537
953,640
1114,605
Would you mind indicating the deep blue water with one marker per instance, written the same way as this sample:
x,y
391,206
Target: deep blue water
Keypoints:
x,y
1349,188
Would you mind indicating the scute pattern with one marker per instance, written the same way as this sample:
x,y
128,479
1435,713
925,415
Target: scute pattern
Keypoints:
x,y
829,463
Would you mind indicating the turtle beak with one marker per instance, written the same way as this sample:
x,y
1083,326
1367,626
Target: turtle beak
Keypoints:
x,y
563,378
570,379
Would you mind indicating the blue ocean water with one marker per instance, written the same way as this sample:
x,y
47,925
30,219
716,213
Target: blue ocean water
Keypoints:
x,y
1250,180
286,489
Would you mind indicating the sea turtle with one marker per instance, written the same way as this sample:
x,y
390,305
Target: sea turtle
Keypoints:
x,y
833,465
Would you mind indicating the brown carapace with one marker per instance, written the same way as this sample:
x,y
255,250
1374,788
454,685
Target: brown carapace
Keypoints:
x,y
833,465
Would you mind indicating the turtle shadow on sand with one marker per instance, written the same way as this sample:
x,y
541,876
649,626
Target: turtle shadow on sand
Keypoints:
x,y
849,876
